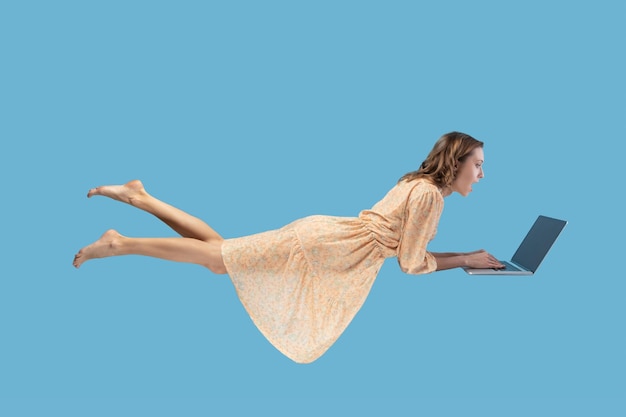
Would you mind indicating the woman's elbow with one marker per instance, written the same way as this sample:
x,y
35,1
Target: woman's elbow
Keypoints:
x,y
428,265
416,270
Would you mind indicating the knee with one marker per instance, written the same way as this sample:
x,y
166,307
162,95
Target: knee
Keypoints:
x,y
215,261
219,270
216,268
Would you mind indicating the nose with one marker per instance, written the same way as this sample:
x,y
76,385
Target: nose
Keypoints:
x,y
481,174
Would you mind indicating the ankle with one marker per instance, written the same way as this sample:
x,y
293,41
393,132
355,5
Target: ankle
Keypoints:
x,y
139,200
118,245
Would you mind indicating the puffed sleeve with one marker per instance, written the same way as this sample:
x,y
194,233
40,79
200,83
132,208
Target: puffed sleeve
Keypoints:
x,y
423,209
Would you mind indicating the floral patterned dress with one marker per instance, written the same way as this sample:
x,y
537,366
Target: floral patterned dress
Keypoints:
x,y
302,284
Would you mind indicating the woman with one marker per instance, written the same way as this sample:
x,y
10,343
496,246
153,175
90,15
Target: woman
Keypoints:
x,y
302,284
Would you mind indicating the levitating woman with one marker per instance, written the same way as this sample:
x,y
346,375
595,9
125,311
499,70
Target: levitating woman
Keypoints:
x,y
303,284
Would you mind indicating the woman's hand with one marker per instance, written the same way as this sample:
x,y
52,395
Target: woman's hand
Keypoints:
x,y
482,259
477,259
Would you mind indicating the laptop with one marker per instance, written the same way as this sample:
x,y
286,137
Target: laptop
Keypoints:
x,y
531,251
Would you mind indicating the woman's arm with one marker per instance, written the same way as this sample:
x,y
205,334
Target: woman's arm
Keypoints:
x,y
477,259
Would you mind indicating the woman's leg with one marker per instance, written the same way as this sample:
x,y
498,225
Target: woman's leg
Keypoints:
x,y
200,243
111,243
182,223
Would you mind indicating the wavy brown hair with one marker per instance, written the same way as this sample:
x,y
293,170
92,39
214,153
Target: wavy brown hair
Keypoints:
x,y
439,166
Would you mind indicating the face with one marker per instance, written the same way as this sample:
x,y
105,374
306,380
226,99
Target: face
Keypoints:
x,y
469,172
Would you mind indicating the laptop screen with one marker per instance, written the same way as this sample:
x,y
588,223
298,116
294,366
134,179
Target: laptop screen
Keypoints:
x,y
538,242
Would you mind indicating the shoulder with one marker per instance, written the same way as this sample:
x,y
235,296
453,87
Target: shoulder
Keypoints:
x,y
423,187
424,195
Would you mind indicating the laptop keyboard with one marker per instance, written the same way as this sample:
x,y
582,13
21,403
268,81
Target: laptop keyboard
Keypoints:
x,y
507,267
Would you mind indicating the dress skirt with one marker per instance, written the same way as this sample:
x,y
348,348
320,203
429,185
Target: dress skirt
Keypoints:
x,y
303,284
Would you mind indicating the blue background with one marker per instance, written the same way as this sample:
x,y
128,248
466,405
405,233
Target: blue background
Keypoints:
x,y
253,114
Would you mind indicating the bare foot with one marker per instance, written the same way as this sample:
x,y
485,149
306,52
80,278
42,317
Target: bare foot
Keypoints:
x,y
129,193
101,248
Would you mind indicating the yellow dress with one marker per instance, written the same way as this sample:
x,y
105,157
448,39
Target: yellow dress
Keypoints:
x,y
303,283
